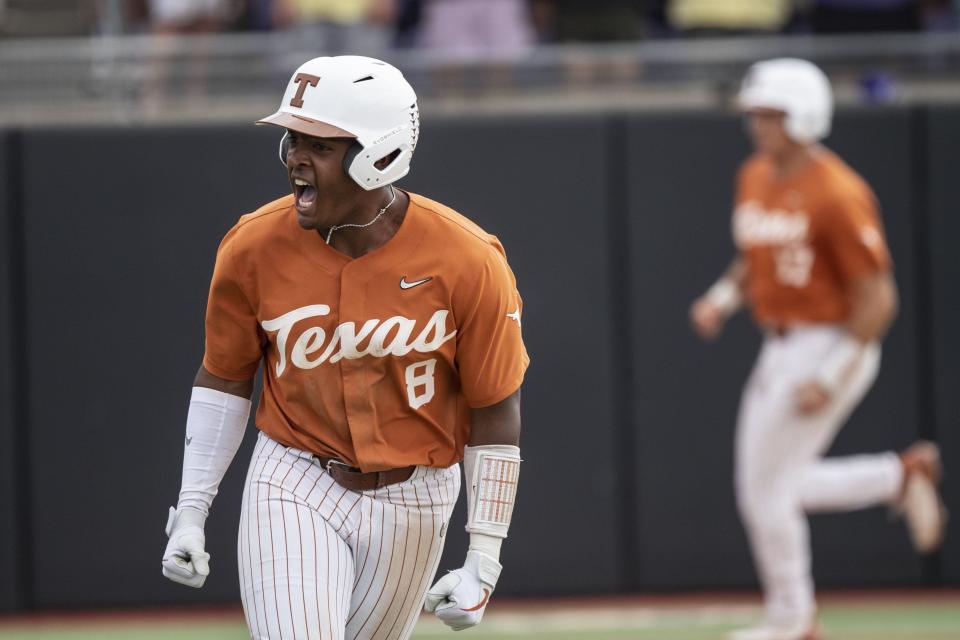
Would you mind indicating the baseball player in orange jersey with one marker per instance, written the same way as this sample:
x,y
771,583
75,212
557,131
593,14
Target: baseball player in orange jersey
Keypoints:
x,y
814,265
389,330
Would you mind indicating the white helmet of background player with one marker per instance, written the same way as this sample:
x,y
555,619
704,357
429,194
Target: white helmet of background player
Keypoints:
x,y
798,88
354,97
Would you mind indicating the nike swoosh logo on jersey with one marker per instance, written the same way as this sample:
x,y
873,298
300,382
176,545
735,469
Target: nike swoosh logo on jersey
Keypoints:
x,y
515,315
483,603
410,285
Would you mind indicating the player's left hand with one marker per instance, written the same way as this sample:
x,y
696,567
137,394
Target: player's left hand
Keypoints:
x,y
707,318
184,559
460,597
811,397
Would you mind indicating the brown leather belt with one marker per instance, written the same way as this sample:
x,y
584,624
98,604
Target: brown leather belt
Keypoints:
x,y
778,330
356,480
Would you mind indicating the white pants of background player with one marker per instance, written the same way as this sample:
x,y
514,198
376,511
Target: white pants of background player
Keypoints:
x,y
780,472
320,561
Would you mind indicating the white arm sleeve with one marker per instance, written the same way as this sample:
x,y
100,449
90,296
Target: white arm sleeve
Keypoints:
x,y
215,425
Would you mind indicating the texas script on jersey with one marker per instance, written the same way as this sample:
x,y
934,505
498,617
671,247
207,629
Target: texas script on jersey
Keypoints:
x,y
753,225
786,233
346,339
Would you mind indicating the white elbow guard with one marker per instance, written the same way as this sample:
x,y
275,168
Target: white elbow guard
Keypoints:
x,y
215,425
491,473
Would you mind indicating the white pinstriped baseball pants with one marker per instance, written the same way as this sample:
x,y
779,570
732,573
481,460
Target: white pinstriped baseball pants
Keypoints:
x,y
780,472
318,561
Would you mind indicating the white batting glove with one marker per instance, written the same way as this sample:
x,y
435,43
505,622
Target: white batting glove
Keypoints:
x,y
460,597
185,561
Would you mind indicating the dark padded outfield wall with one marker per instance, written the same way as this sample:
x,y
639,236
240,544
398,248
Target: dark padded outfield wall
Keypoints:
x,y
119,254
943,140
540,185
686,393
9,596
867,548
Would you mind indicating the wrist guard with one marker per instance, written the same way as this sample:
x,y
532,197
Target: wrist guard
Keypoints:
x,y
491,472
725,295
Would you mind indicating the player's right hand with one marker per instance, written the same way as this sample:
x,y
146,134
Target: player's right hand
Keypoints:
x,y
707,318
184,560
460,598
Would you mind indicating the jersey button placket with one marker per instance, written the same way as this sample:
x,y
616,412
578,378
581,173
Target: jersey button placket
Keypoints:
x,y
356,398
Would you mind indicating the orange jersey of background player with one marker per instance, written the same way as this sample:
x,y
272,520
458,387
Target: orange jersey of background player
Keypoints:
x,y
374,360
805,238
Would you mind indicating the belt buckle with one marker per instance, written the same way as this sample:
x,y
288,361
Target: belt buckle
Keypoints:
x,y
343,465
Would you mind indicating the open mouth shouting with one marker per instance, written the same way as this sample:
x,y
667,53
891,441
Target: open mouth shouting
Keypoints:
x,y
305,194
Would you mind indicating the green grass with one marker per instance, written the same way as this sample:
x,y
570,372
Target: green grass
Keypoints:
x,y
882,621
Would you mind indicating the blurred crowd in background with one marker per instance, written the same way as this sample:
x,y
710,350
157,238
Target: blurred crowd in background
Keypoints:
x,y
472,26
459,50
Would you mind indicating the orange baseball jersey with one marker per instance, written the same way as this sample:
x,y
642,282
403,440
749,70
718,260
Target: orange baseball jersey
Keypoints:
x,y
375,360
805,238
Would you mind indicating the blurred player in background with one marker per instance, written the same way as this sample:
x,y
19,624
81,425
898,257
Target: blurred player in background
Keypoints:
x,y
814,265
389,330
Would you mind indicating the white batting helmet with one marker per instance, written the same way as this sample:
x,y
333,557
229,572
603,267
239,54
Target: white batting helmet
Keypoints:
x,y
355,97
798,88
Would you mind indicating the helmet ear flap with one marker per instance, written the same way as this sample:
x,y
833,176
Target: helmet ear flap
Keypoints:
x,y
360,163
808,123
350,156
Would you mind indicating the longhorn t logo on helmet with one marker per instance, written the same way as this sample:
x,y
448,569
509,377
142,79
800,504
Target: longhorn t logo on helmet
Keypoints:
x,y
303,80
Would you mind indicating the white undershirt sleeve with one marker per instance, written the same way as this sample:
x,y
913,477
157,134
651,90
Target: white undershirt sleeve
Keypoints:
x,y
215,425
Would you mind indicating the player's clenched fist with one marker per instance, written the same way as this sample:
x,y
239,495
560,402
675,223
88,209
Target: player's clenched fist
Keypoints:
x,y
709,312
460,597
184,560
707,318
